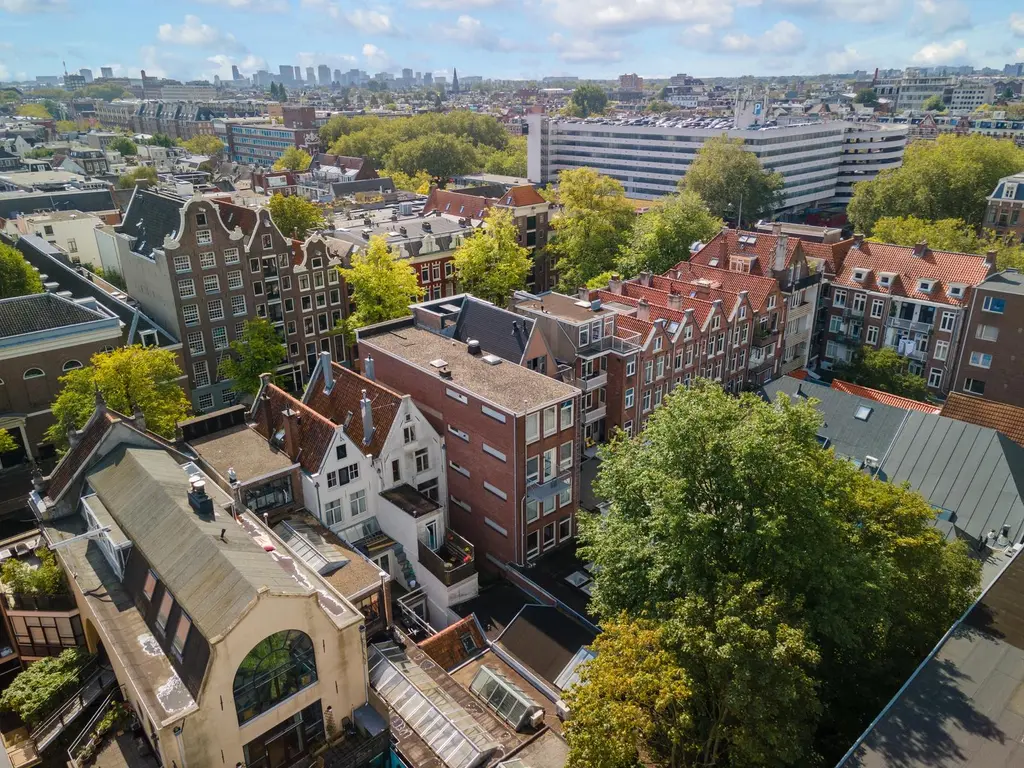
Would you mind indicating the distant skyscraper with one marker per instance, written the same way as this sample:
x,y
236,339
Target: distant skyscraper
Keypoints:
x,y
323,74
287,73
87,74
428,78
310,77
407,75
106,71
455,81
298,73
216,80
337,76
234,72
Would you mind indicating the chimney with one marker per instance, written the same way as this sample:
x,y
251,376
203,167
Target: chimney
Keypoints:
x,y
325,364
777,228
675,301
615,284
291,433
645,279
368,370
781,244
583,293
643,310
858,239
990,261
101,403
198,499
920,249
367,410
74,437
139,419
39,483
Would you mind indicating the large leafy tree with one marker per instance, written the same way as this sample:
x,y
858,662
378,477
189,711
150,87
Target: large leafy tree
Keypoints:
x,y
383,286
792,593
128,378
882,369
124,145
593,225
293,159
36,691
141,172
438,154
510,161
662,237
867,97
17,277
949,178
948,235
588,99
732,181
491,264
259,350
204,144
296,216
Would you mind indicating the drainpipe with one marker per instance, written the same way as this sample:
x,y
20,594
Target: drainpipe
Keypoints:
x,y
181,747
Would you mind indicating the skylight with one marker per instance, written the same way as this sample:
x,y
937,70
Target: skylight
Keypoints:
x,y
509,701
863,412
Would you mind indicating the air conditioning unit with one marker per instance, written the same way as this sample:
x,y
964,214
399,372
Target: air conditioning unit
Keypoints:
x,y
562,709
537,719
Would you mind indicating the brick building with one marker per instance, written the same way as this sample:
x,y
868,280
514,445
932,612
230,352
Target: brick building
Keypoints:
x,y
1005,211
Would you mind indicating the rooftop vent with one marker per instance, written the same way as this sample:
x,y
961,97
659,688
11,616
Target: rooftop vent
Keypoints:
x,y
200,502
491,359
445,373
438,363
595,305
403,230
426,226
473,347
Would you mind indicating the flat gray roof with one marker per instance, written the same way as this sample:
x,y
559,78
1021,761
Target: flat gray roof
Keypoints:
x,y
565,307
1007,281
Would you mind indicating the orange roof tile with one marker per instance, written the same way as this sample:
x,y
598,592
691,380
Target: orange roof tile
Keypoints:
x,y
727,243
1008,419
457,204
72,461
344,399
521,195
448,648
315,431
883,397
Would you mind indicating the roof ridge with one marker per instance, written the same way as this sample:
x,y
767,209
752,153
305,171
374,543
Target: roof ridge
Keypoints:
x,y
301,405
372,382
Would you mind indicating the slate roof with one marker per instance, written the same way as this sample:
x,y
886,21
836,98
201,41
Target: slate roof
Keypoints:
x,y
344,399
962,707
883,397
86,200
545,639
41,312
1007,281
1017,179
232,215
151,217
499,331
1008,419
448,647
214,579
343,188
316,432
91,436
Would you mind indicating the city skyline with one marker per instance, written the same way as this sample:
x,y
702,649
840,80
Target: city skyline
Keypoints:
x,y
200,39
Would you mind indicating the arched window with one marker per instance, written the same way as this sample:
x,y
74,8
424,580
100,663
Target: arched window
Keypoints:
x,y
70,365
34,373
279,666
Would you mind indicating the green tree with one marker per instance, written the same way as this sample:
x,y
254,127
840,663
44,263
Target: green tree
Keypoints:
x,y
418,182
161,140
128,378
934,104
662,237
104,92
594,224
204,144
136,174
882,369
719,513
491,264
949,178
293,159
588,100
7,443
383,286
124,145
510,161
658,106
273,90
37,691
437,154
867,97
296,216
17,277
282,94
40,153
259,351
732,182
46,578
37,111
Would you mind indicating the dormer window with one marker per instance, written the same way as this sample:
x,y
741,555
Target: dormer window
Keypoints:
x,y
925,286
860,275
955,291
885,281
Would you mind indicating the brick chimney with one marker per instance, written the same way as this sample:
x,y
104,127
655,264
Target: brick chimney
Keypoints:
x,y
675,301
643,310
615,284
291,433
781,245
366,409
990,261
325,364
858,239
920,249
645,279
777,228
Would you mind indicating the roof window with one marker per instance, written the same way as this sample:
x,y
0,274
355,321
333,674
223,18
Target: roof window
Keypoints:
x,y
863,413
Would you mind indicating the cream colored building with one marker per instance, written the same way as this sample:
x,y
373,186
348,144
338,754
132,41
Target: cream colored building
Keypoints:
x,y
227,642
72,231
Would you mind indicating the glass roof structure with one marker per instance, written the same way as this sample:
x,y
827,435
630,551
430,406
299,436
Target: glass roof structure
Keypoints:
x,y
508,700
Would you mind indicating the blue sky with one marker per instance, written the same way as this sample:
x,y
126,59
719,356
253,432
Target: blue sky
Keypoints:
x,y
506,38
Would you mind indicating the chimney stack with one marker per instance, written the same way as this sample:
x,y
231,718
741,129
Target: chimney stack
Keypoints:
x,y
920,249
583,293
777,228
858,239
139,419
325,363
990,261
615,284
367,411
368,370
101,403
781,245
74,437
645,279
675,301
643,310
291,433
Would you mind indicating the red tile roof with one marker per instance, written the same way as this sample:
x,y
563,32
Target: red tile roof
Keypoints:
x,y
727,243
943,267
520,196
627,323
831,253
701,307
232,215
457,204
344,399
72,461
446,648
1008,419
758,288
315,431
883,397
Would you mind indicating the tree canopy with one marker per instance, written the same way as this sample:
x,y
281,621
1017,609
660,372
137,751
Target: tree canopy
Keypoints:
x,y
17,277
293,159
763,597
134,175
36,691
418,182
296,216
882,369
510,161
438,154
37,111
934,104
491,264
949,178
948,235
128,378
124,145
204,144
594,224
588,99
732,182
46,578
383,286
259,350
662,237
7,442
867,97
161,140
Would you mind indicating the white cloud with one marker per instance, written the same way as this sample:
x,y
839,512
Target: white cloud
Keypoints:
x,y
783,37
5,74
937,17
376,57
472,32
858,11
942,53
274,6
371,22
193,32
332,60
31,6
625,15
849,59
1017,24
581,50
152,61
454,5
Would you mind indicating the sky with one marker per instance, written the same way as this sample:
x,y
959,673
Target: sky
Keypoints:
x,y
529,39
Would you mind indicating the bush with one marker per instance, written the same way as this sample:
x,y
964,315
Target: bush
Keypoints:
x,y
36,692
46,579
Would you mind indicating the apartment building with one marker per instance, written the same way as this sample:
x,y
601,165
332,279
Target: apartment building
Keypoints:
x,y
988,364
72,231
1005,210
909,298
263,143
202,267
512,433
818,160
930,125
86,161
226,642
177,119
911,89
968,95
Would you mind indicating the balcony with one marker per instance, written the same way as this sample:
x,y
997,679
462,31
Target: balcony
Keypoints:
x,y
909,325
596,381
453,562
624,346
800,311
47,603
764,338
594,414
854,312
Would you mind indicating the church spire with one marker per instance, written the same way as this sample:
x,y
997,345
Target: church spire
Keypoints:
x,y
455,81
